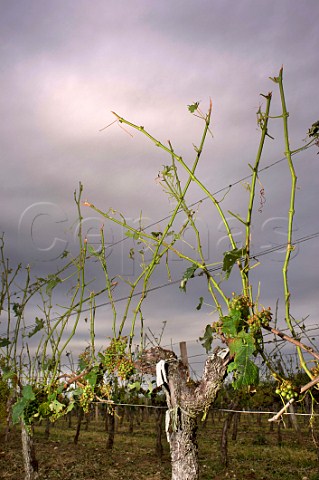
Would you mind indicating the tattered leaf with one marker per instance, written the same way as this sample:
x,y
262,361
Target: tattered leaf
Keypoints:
x,y
193,107
4,342
314,130
135,386
230,258
200,304
39,324
189,273
17,309
56,406
207,338
53,281
134,235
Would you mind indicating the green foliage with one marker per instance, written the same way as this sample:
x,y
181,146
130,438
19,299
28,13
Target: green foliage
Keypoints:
x,y
232,324
17,309
37,404
134,235
39,324
193,107
136,386
240,329
24,408
314,130
230,258
207,338
189,273
4,342
245,370
52,282
200,304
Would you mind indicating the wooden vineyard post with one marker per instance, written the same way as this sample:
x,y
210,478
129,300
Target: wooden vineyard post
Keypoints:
x,y
184,356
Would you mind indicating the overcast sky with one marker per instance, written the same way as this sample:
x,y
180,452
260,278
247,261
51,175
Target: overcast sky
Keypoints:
x,y
65,65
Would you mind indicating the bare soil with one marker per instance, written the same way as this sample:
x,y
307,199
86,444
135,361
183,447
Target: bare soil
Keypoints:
x,y
255,454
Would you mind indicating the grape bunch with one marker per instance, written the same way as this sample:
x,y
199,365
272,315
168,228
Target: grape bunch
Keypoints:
x,y
259,319
287,390
125,368
87,397
241,303
116,359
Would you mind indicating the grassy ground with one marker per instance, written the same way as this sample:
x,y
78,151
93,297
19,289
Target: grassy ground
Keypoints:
x,y
254,455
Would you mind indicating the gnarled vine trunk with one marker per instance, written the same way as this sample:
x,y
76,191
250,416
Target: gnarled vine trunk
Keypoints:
x,y
185,400
28,451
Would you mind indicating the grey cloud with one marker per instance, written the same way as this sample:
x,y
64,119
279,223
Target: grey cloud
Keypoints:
x,y
65,65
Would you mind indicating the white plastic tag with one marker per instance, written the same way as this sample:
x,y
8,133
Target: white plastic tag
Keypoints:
x,y
223,353
161,377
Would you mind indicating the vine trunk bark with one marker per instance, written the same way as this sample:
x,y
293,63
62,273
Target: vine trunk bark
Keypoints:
x,y
28,452
185,399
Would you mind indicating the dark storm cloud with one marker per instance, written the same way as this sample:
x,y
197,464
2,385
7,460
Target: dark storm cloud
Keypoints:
x,y
65,65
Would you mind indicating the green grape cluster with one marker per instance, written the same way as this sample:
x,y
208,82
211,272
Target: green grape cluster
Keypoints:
x,y
115,358
114,352
315,370
241,303
125,368
259,319
287,390
86,397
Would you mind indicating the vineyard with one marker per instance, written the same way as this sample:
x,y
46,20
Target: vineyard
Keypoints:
x,y
256,449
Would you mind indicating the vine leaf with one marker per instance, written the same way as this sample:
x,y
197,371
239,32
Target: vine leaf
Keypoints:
x,y
28,393
207,338
53,281
200,304
232,323
189,273
39,324
18,408
4,342
91,377
136,386
314,130
245,371
230,258
134,235
193,107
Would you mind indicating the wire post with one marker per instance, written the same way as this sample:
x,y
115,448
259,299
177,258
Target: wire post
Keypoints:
x,y
184,356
